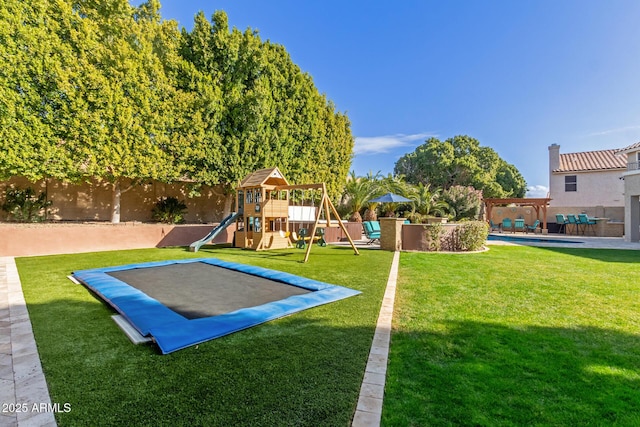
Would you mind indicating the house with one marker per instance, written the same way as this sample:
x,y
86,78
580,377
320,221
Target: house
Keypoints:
x,y
587,182
631,156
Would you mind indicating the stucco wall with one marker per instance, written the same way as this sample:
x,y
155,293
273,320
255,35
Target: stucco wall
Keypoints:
x,y
614,213
92,201
593,189
46,239
632,206
499,213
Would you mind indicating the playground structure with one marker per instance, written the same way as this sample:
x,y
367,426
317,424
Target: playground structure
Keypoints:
x,y
264,208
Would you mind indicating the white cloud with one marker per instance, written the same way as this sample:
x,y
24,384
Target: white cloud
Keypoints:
x,y
386,143
537,191
616,130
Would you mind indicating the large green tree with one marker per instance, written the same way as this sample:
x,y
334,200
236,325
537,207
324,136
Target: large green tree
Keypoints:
x,y
127,109
107,91
88,93
266,113
34,85
461,161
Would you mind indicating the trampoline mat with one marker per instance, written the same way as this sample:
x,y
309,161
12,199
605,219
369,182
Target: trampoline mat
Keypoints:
x,y
196,290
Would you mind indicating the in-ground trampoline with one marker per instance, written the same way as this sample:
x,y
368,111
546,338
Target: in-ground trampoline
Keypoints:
x,y
186,302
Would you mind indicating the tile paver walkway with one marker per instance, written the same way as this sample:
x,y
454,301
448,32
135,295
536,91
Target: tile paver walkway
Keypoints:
x,y
369,409
22,382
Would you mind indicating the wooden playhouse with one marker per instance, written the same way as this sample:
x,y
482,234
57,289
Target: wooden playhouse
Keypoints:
x,y
263,201
265,208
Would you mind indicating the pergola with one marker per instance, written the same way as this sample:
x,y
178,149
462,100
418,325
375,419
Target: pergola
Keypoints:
x,y
538,204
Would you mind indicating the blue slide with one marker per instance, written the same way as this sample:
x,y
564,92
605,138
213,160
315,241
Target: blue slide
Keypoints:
x,y
213,233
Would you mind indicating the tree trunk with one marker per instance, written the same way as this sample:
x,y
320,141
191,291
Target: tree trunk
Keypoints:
x,y
115,202
370,215
228,202
355,217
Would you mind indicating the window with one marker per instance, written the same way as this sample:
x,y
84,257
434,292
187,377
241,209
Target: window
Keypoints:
x,y
570,183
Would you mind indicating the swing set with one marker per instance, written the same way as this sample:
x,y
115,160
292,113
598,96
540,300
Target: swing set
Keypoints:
x,y
264,203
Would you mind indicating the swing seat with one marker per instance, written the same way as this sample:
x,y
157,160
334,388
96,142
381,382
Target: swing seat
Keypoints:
x,y
301,244
320,237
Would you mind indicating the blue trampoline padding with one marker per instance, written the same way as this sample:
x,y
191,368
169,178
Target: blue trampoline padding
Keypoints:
x,y
172,331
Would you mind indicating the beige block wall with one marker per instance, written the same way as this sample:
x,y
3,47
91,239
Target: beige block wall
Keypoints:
x,y
92,201
614,213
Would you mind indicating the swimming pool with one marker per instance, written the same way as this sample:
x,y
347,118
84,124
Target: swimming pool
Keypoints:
x,y
518,239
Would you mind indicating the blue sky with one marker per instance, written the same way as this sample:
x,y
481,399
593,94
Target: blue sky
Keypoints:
x,y
516,75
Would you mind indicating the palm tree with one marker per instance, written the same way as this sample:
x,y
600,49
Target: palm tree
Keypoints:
x,y
376,190
357,192
394,184
427,202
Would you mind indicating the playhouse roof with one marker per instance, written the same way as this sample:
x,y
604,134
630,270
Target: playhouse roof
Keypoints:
x,y
259,178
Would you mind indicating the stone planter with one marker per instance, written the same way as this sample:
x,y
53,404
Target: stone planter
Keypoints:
x,y
436,220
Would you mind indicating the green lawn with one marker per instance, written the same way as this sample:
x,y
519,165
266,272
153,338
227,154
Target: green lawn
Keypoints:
x,y
305,369
516,336
513,336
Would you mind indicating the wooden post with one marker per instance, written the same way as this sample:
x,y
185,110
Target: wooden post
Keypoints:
x,y
344,229
328,206
313,231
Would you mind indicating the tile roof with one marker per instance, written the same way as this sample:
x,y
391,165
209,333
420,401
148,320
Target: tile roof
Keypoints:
x,y
591,161
629,148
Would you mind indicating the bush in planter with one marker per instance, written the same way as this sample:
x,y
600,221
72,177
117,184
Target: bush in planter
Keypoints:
x,y
433,236
24,206
464,202
169,210
471,236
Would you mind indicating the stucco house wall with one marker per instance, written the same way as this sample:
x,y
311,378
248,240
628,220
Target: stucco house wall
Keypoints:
x,y
631,154
599,187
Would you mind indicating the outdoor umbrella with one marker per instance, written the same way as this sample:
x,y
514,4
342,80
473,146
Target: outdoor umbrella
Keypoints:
x,y
390,198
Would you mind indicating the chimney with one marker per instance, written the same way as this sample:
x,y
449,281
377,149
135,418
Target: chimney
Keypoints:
x,y
554,158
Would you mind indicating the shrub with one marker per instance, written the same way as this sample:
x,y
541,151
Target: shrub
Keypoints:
x,y
434,236
471,235
169,210
464,202
24,206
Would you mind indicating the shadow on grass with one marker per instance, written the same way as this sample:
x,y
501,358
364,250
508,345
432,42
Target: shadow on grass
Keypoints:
x,y
299,370
293,255
476,373
304,369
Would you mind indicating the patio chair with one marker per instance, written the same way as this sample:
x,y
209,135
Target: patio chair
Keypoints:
x,y
370,231
574,221
562,223
507,224
518,225
586,222
533,227
494,227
